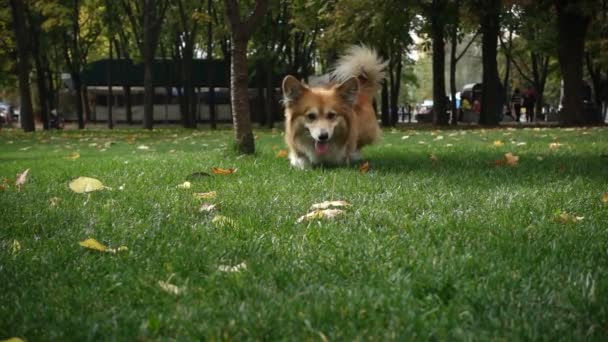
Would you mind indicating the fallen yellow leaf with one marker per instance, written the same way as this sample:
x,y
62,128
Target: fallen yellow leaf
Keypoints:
x,y
223,221
207,207
364,168
93,244
327,204
282,153
605,197
565,217
83,185
15,247
319,214
205,195
13,339
220,171
170,288
511,159
185,185
73,156
4,184
54,201
498,143
555,145
231,269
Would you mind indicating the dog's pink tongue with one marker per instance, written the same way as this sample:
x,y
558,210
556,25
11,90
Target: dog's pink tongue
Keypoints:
x,y
321,147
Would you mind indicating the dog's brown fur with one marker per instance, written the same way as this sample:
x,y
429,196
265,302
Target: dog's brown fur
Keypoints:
x,y
345,110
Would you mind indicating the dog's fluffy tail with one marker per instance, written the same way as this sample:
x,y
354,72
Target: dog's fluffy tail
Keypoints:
x,y
364,63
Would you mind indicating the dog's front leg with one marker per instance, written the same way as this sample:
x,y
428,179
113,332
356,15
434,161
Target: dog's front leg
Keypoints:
x,y
299,162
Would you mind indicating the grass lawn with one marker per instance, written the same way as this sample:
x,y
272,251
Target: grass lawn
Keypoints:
x,y
446,247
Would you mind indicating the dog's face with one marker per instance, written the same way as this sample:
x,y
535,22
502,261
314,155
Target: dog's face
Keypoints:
x,y
323,114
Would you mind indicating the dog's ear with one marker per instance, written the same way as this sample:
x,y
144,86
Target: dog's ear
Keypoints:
x,y
349,90
292,89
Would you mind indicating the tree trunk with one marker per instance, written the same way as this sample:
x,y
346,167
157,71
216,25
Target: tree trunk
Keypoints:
x,y
239,91
149,47
384,105
395,87
110,93
78,99
189,101
508,69
43,96
491,89
128,104
239,96
571,30
23,66
439,104
453,62
86,105
269,103
211,94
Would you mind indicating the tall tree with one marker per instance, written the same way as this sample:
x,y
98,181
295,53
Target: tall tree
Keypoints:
x,y
491,97
573,20
146,18
435,13
240,32
23,64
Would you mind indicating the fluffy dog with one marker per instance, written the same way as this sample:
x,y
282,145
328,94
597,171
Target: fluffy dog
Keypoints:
x,y
329,124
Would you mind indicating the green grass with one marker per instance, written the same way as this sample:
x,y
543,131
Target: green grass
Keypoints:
x,y
455,249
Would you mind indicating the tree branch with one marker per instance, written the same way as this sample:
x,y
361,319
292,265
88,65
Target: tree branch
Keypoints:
x,y
468,46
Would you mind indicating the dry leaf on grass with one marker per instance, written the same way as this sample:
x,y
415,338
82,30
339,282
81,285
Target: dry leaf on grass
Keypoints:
x,y
13,339
93,244
205,195
207,207
184,185
142,147
83,185
223,221
555,145
21,178
4,183
282,153
15,247
54,201
327,204
320,214
364,168
433,158
509,160
73,156
498,143
170,288
605,197
220,171
568,218
231,269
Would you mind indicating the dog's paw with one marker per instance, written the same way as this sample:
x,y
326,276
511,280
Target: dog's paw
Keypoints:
x,y
355,157
299,162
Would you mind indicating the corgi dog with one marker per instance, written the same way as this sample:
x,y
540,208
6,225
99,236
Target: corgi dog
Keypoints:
x,y
330,123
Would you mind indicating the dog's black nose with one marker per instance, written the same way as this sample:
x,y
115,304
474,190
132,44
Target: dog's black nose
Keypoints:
x,y
323,136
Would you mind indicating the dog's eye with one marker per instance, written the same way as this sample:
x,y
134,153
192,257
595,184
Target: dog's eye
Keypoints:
x,y
311,116
331,115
